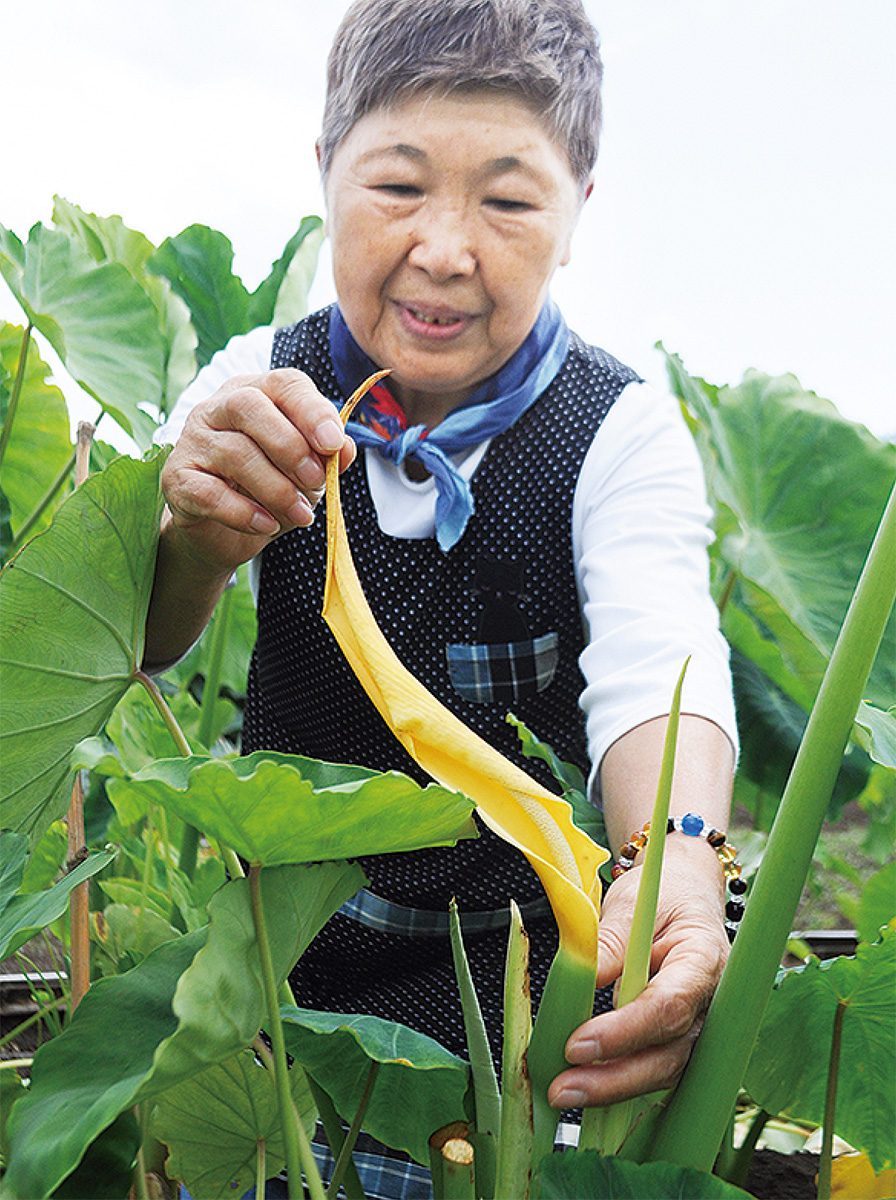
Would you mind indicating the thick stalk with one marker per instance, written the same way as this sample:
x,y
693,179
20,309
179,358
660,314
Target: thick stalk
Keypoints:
x,y
289,1121
513,1172
458,1171
566,1003
693,1124
16,391
830,1107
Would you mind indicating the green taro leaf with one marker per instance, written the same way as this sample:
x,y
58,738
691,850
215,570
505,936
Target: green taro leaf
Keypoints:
x,y
107,1169
419,1087
108,239
877,904
96,317
877,732
278,808
799,493
571,1176
40,445
195,1001
198,263
13,856
800,1014
26,914
282,298
73,607
212,1125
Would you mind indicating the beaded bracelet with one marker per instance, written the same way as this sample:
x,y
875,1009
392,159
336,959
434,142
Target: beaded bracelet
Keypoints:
x,y
693,825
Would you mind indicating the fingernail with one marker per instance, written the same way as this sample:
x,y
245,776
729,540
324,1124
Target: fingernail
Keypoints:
x,y
329,435
301,512
568,1098
264,523
583,1050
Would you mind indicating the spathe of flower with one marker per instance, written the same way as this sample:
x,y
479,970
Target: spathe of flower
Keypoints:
x,y
509,801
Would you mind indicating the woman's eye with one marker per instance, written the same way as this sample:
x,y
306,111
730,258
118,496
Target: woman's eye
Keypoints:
x,y
509,206
399,189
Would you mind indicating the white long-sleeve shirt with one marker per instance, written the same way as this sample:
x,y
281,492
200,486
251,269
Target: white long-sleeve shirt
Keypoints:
x,y
640,534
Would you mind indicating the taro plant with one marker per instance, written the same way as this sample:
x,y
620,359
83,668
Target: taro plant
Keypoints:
x,y
192,966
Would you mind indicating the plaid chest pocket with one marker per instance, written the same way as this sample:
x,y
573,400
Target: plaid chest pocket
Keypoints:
x,y
503,672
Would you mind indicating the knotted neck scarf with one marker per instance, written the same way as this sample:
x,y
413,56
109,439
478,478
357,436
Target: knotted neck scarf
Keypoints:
x,y
380,422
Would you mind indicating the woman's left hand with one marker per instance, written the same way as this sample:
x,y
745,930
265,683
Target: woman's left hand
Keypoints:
x,y
644,1046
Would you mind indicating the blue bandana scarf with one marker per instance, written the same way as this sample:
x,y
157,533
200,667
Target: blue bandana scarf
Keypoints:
x,y
492,407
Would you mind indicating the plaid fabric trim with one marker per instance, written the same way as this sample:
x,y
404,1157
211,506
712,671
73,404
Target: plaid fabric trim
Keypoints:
x,y
503,672
376,913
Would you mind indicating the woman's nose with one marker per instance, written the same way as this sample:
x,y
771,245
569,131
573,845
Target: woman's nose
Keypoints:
x,y
442,243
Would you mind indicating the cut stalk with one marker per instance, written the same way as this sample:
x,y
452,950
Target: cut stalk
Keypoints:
x,y
605,1129
513,1173
691,1128
458,1175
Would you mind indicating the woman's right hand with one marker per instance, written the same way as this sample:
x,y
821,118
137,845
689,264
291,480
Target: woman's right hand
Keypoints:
x,y
248,466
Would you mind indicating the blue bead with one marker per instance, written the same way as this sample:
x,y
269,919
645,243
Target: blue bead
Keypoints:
x,y
692,824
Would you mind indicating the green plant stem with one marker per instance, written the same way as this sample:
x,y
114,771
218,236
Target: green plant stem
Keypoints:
x,y
16,391
149,841
830,1106
43,504
214,670
261,1171
513,1170
487,1098
298,1149
29,1021
140,1185
152,688
189,845
605,1129
13,1064
332,1124
739,1162
727,590
691,1128
348,1145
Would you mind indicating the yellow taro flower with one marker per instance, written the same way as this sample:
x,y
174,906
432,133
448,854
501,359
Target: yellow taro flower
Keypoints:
x,y
509,801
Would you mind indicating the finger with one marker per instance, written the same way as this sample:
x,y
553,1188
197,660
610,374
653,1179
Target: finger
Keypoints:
x,y
225,477
666,1010
608,1082
292,423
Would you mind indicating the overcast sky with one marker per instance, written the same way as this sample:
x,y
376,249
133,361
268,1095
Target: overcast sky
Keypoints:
x,y
744,198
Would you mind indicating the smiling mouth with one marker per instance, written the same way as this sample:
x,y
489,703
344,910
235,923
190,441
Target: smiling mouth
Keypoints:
x,y
433,319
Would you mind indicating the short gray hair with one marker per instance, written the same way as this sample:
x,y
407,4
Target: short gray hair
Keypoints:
x,y
545,52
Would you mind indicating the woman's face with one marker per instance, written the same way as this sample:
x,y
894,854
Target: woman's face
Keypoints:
x,y
447,217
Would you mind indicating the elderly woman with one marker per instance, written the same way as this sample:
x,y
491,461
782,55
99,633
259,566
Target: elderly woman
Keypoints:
x,y
527,518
